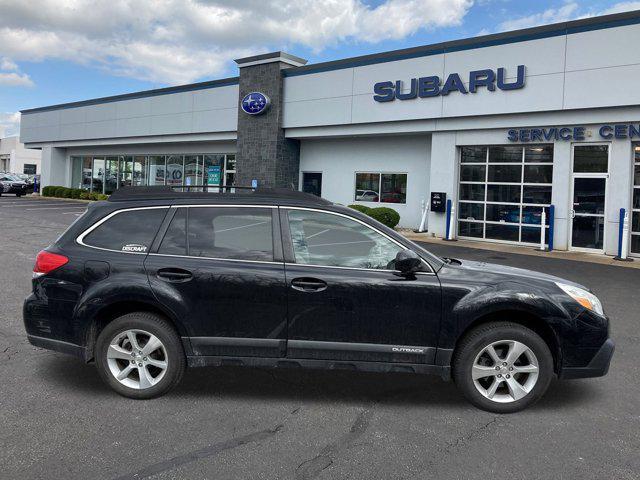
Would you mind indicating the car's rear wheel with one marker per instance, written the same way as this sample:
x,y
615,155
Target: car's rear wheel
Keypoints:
x,y
140,355
502,367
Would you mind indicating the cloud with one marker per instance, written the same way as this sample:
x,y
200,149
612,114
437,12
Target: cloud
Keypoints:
x,y
13,79
11,76
551,15
10,123
569,11
177,41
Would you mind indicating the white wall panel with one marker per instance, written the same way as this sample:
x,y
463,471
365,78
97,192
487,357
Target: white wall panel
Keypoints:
x,y
340,159
366,110
602,87
325,111
216,98
337,83
540,56
603,48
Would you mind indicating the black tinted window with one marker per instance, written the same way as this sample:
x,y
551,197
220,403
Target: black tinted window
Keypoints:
x,y
175,240
234,233
128,231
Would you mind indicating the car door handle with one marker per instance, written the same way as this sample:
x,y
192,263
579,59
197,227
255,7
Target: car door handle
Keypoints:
x,y
304,284
174,275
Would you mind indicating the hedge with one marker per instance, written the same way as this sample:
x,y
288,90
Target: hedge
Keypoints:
x,y
64,192
361,208
385,215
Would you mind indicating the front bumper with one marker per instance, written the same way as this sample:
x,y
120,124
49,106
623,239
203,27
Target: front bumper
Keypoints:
x,y
597,367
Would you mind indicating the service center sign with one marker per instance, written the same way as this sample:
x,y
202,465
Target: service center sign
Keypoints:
x,y
425,87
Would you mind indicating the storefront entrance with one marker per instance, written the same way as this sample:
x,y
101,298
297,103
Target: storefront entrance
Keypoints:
x,y
588,194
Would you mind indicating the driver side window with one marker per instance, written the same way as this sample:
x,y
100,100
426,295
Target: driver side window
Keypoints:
x,y
331,240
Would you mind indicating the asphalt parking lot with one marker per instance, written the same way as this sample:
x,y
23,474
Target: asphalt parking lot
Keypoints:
x,y
57,420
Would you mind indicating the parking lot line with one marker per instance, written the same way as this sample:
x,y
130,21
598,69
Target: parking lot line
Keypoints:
x,y
62,207
23,203
72,213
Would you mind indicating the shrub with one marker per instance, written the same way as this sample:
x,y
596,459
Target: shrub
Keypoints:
x,y
361,208
48,191
84,195
67,192
59,192
102,196
76,192
385,215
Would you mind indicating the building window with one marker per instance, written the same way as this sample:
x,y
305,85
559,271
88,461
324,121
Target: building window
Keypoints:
x,y
312,183
635,207
29,169
381,187
106,174
503,190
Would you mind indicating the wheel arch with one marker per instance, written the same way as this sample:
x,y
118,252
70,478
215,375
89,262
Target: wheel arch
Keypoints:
x,y
110,312
526,319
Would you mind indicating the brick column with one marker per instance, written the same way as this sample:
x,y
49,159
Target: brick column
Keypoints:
x,y
263,152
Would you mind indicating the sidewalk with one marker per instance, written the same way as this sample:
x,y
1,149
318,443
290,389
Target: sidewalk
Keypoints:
x,y
521,250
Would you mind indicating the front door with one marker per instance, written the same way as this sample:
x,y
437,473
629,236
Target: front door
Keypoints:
x,y
312,183
589,192
217,268
345,302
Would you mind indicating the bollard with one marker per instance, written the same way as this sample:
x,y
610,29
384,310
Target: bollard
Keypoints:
x,y
451,218
543,223
552,211
623,237
423,221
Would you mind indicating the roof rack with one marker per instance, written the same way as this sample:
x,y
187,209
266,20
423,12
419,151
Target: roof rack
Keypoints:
x,y
162,192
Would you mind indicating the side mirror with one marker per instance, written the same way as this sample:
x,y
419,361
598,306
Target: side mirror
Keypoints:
x,y
408,262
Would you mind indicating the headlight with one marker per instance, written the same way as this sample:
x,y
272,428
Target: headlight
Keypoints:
x,y
586,299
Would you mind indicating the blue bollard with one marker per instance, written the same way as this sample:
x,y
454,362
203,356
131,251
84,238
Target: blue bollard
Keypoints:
x,y
446,237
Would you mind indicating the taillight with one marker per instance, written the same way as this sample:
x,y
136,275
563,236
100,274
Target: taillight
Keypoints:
x,y
47,262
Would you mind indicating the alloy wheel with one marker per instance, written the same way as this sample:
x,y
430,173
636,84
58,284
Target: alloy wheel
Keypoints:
x,y
137,359
505,371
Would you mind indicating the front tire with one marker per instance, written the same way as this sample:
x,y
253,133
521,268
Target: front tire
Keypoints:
x,y
140,355
502,367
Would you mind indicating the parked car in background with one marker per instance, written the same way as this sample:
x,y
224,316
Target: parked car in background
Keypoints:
x,y
13,184
366,195
153,280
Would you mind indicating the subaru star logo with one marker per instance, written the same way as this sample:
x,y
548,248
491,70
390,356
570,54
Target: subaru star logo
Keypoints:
x,y
255,103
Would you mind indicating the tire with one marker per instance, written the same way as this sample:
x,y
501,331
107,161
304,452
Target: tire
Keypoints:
x,y
141,326
529,373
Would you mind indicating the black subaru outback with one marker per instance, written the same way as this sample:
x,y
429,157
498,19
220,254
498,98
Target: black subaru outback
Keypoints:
x,y
155,280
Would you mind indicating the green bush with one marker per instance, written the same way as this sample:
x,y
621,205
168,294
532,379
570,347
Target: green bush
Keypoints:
x,y
361,208
385,215
76,193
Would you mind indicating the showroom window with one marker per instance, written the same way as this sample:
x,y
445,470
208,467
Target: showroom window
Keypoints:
x,y
381,187
29,168
104,174
635,212
502,192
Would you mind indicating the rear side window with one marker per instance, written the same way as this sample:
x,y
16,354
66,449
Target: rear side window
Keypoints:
x,y
215,232
128,231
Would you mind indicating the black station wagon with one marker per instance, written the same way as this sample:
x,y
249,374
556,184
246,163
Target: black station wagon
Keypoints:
x,y
155,280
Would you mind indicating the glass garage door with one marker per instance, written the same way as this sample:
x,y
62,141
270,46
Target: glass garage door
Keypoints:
x,y
502,192
635,215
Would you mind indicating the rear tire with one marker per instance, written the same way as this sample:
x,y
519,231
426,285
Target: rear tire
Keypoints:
x,y
502,367
140,355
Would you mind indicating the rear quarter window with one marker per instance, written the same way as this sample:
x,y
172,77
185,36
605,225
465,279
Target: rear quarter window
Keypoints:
x,y
130,231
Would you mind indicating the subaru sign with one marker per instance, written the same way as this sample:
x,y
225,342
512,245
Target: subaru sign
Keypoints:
x,y
577,133
425,87
255,103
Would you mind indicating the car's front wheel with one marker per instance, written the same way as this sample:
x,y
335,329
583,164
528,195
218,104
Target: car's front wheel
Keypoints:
x,y
502,367
140,355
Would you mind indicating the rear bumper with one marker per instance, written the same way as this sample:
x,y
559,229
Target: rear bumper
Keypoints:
x,y
597,367
58,346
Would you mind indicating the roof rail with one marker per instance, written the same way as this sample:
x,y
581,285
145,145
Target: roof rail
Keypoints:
x,y
204,191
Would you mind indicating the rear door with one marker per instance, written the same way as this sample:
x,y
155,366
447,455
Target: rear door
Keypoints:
x,y
220,269
345,302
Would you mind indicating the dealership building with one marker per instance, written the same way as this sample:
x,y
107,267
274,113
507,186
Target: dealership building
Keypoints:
x,y
505,126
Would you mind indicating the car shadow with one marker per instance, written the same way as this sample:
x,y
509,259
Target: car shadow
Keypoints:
x,y
347,387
